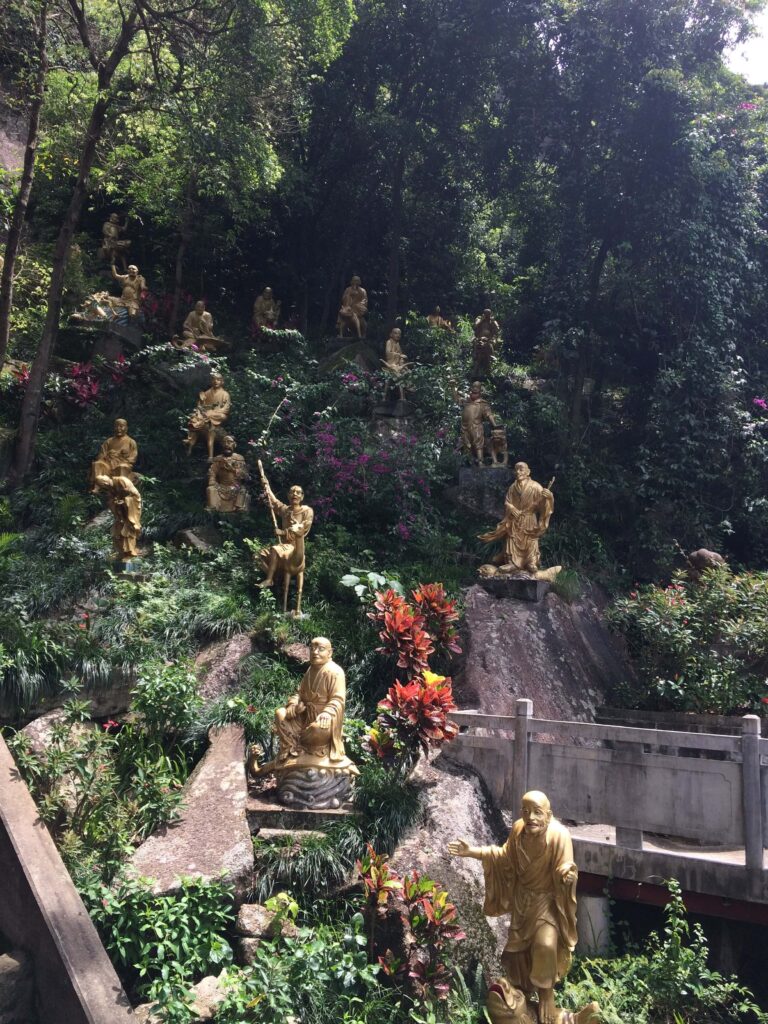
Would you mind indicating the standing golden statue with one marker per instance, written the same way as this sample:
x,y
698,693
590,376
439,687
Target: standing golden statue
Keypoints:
x,y
287,556
134,286
116,457
311,765
395,360
475,413
528,509
532,877
113,247
354,309
124,502
266,311
486,330
211,411
226,477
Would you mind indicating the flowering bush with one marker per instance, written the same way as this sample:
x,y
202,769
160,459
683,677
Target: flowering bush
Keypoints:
x,y
698,646
440,616
412,718
411,634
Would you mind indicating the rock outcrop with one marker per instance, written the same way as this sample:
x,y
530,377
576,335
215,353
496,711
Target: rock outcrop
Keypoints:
x,y
212,838
218,666
559,655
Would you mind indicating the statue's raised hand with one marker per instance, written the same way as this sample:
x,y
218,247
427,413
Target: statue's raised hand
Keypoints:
x,y
323,721
458,848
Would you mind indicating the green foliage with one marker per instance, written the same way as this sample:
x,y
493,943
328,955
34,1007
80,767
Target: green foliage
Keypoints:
x,y
698,646
312,866
667,980
164,943
165,698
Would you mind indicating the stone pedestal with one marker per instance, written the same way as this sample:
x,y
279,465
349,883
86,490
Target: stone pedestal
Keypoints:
x,y
519,587
313,788
483,488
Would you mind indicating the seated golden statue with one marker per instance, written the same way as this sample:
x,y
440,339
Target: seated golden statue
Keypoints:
x,y
211,411
134,286
532,877
113,247
435,320
124,502
311,764
266,311
228,473
116,457
528,509
197,331
474,414
287,557
354,309
486,330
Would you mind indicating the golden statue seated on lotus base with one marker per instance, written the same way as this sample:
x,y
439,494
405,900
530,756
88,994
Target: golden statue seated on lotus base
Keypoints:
x,y
311,766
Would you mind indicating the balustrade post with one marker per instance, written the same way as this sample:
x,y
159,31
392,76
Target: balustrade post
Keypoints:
x,y
523,715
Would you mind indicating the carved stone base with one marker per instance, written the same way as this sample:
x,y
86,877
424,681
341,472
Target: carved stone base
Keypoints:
x,y
483,488
522,587
316,788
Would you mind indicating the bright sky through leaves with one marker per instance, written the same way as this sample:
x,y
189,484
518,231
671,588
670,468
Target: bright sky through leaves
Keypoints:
x,y
751,58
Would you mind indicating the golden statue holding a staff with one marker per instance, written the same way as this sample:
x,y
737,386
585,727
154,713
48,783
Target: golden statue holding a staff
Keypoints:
x,y
287,555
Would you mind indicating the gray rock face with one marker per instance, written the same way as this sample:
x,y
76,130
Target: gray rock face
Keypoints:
x,y
561,656
16,988
482,489
212,838
218,666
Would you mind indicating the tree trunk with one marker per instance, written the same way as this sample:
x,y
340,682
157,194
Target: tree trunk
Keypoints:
x,y
395,238
25,185
33,394
185,236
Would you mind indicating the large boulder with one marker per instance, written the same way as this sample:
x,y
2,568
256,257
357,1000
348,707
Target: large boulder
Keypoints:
x,y
17,988
562,656
218,666
212,838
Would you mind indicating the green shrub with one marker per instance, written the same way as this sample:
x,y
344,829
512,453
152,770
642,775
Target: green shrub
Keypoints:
x,y
165,697
698,646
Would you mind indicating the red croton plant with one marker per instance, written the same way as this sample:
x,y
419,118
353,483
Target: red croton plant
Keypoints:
x,y
413,717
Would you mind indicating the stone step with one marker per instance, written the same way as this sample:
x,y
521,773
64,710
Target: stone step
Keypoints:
x,y
263,814
268,835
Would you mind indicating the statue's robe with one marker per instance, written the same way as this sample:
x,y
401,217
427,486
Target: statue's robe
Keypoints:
x,y
524,882
521,534
116,453
212,409
198,325
323,690
266,312
125,504
473,415
302,517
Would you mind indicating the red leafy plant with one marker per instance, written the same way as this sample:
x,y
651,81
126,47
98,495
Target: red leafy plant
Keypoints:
x,y
412,633
413,717
380,883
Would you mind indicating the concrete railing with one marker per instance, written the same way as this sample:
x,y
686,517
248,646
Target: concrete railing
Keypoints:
x,y
42,914
711,790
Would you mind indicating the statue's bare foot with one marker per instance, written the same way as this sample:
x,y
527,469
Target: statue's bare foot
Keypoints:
x,y
547,1011
266,583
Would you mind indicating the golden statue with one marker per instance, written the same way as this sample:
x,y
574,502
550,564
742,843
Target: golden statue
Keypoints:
x,y
508,1005
435,320
354,308
113,247
124,502
474,414
486,330
532,877
228,473
197,331
116,456
266,311
311,765
287,556
211,411
133,286
395,360
527,510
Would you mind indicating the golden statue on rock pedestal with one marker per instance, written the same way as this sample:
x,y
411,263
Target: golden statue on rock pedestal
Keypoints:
x,y
528,509
133,285
124,502
116,457
311,765
211,411
197,331
532,877
354,309
226,477
287,557
266,311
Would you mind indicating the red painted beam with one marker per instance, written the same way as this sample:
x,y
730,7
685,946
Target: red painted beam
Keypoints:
x,y
658,896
